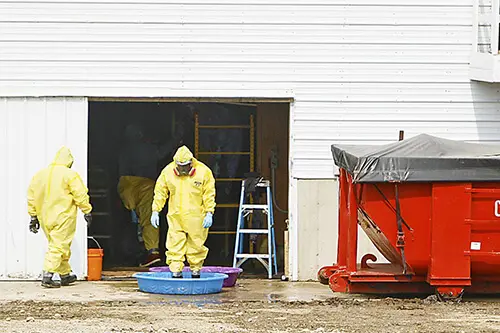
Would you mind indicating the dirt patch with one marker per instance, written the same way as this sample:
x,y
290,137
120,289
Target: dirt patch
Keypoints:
x,y
66,310
333,315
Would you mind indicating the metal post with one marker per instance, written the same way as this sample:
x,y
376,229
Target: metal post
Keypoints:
x,y
352,232
238,244
343,223
269,234
272,232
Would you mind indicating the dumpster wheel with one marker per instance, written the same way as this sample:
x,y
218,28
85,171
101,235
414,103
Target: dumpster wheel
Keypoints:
x,y
449,297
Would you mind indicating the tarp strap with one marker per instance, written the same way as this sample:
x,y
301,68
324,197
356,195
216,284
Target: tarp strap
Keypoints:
x,y
401,236
391,206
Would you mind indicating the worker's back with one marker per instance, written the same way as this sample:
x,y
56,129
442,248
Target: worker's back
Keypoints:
x,y
56,191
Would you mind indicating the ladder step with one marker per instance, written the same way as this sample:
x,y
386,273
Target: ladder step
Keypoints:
x,y
227,205
229,179
222,232
253,256
254,206
254,231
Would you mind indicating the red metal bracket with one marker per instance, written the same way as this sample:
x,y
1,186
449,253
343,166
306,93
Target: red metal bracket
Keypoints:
x,y
325,272
367,257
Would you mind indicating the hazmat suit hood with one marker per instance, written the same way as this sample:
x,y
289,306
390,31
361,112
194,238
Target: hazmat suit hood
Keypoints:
x,y
183,156
63,157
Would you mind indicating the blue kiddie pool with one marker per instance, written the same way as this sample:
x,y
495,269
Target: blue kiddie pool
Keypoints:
x,y
231,272
163,283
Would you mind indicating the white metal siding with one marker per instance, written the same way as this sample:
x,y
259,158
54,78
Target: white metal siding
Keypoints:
x,y
318,227
31,131
360,70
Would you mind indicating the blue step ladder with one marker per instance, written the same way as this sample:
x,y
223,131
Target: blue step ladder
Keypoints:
x,y
268,260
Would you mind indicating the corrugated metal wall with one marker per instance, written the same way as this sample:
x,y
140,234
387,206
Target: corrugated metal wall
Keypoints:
x,y
31,131
360,70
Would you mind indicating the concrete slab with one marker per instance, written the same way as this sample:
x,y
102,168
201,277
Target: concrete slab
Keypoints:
x,y
248,290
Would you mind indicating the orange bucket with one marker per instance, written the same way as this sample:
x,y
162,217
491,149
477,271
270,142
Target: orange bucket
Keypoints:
x,y
94,258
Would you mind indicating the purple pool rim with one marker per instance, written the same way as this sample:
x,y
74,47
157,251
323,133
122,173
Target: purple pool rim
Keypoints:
x,y
231,272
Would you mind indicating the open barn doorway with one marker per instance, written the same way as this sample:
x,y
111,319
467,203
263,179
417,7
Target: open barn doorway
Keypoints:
x,y
232,138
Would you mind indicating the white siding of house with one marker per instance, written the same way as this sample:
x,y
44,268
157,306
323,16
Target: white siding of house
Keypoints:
x,y
317,209
31,132
359,70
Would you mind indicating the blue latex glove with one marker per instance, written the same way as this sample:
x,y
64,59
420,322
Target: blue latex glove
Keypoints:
x,y
135,219
207,222
155,219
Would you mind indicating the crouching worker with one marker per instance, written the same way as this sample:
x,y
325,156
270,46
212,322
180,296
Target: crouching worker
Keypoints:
x,y
138,170
53,197
190,187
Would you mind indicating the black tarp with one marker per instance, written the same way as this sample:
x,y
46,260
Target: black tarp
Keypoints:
x,y
423,158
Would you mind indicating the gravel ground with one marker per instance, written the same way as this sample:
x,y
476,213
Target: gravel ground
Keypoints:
x,y
333,315
252,306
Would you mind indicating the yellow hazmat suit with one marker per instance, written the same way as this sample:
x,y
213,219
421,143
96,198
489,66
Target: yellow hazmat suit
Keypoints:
x,y
191,198
137,194
53,196
137,169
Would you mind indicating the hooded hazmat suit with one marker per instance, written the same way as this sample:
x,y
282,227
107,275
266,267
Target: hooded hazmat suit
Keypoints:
x,y
54,195
136,194
191,198
138,170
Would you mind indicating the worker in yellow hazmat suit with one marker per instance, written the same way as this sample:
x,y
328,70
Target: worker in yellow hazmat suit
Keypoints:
x,y
137,195
54,195
138,170
190,186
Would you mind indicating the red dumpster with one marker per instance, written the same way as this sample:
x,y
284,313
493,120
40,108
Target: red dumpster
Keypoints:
x,y
430,206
